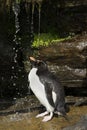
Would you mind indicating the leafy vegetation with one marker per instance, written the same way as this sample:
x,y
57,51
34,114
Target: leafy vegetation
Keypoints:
x,y
46,39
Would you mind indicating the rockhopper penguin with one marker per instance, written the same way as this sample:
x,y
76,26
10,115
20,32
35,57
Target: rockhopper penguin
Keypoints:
x,y
46,87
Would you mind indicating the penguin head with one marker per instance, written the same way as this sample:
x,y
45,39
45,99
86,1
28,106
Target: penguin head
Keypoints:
x,y
39,64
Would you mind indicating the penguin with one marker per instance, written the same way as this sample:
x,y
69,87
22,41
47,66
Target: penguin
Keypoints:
x,y
47,88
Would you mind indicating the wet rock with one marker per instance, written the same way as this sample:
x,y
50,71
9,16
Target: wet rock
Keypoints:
x,y
72,53
81,125
68,60
76,101
21,105
81,101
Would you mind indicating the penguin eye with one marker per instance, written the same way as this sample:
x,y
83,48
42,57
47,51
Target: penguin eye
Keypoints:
x,y
42,64
39,63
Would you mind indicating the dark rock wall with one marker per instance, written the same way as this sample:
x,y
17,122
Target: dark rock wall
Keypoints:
x,y
64,17
68,60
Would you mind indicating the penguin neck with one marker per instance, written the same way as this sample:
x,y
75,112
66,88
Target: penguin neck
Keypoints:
x,y
34,70
32,73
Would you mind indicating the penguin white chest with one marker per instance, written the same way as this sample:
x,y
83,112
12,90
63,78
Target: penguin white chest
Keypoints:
x,y
38,88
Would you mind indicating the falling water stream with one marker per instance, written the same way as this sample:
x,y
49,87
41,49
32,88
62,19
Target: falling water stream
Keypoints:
x,y
16,10
39,9
32,18
39,19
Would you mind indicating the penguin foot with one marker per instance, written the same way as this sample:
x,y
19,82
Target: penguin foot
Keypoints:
x,y
47,118
42,114
59,113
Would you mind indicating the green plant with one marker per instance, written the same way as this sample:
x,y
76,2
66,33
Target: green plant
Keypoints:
x,y
45,39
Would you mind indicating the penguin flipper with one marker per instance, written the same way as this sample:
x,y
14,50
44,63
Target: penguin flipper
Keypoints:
x,y
48,90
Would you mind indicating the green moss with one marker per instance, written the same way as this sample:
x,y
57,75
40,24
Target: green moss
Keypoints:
x,y
46,39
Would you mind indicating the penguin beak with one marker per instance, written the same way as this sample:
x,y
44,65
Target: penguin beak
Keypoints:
x,y
32,59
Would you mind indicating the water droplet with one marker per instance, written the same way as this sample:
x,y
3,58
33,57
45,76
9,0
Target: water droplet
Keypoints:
x,y
17,43
12,67
2,78
15,77
14,98
19,38
16,50
15,61
13,48
11,77
14,84
19,70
